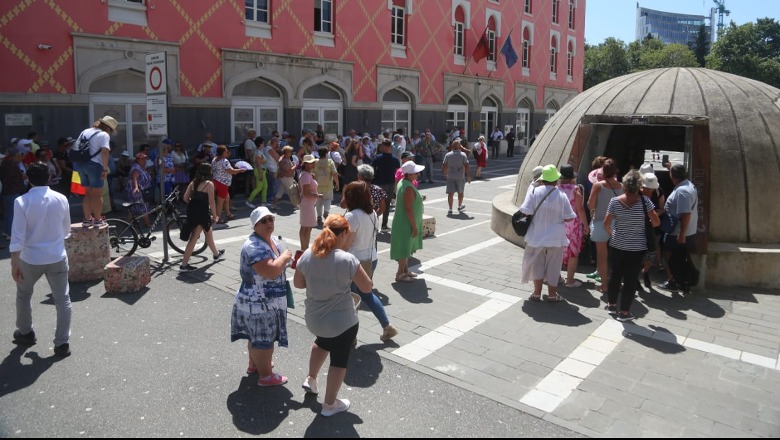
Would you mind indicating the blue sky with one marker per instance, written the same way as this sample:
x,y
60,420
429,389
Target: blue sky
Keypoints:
x,y
617,18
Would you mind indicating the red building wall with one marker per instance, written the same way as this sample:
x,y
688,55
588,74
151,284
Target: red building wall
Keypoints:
x,y
361,31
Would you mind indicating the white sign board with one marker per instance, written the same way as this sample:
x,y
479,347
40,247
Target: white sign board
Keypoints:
x,y
18,119
157,115
156,73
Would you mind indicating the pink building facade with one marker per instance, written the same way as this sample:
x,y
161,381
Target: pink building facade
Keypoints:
x,y
287,65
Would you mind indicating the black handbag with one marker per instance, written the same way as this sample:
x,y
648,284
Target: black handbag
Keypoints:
x,y
522,222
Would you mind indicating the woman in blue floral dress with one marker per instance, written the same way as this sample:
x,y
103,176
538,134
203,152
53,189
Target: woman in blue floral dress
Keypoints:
x,y
260,309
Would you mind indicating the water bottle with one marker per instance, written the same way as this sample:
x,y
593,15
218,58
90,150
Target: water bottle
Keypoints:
x,y
283,247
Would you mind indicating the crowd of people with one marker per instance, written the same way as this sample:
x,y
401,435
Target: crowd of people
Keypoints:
x,y
624,225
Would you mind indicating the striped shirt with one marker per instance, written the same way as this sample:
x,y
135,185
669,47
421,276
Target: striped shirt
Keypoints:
x,y
629,231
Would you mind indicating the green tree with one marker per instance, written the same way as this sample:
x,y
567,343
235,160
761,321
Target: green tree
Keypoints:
x,y
701,47
670,55
750,50
603,62
638,51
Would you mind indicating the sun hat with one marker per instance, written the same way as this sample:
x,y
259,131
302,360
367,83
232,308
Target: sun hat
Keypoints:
x,y
258,214
567,171
125,154
537,172
593,176
407,155
550,173
14,141
649,180
646,168
411,168
109,121
309,158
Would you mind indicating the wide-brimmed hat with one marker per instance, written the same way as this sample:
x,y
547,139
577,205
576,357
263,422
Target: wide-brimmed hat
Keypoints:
x,y
309,158
550,173
593,176
109,121
537,172
258,214
567,171
649,180
411,168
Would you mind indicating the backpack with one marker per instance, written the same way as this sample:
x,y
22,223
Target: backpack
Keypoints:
x,y
79,153
241,151
295,194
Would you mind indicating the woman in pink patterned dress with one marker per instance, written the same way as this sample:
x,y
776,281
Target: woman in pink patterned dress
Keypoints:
x,y
575,229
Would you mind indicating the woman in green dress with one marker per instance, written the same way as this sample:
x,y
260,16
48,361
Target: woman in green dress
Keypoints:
x,y
407,222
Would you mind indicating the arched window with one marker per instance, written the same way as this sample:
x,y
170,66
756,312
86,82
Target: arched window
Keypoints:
x,y
459,29
555,11
398,29
553,55
570,60
526,48
491,37
571,14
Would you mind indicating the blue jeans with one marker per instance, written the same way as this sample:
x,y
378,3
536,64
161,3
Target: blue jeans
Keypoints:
x,y
373,302
427,174
8,212
272,184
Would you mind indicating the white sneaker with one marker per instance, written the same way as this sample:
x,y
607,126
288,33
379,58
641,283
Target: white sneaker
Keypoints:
x,y
340,405
249,205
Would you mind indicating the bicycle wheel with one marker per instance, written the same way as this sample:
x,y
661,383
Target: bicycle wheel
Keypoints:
x,y
122,238
173,227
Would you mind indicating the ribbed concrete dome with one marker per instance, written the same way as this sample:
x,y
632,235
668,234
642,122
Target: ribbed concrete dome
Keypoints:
x,y
743,120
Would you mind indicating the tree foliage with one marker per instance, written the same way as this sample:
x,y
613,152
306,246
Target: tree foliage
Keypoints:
x,y
750,50
701,47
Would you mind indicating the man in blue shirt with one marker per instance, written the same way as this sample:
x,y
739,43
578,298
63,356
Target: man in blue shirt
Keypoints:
x,y
385,163
681,205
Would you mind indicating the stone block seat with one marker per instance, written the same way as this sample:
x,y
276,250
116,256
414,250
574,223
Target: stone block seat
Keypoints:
x,y
88,252
429,226
127,274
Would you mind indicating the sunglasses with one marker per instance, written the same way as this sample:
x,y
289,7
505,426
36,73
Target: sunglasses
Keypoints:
x,y
265,220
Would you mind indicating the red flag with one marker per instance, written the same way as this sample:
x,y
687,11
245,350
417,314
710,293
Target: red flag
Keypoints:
x,y
483,49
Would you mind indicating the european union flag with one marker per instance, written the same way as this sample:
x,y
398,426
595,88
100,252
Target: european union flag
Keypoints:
x,y
509,51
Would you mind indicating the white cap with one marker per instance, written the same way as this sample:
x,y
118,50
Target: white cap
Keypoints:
x,y
646,168
411,168
650,181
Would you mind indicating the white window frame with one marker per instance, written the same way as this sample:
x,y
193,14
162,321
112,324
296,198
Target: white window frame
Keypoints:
x,y
398,16
528,7
128,100
527,47
399,50
571,14
323,105
570,55
128,12
256,106
555,8
488,119
459,33
554,51
457,115
321,37
254,27
397,123
459,59
523,125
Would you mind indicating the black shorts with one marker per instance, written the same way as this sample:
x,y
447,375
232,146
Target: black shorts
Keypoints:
x,y
339,346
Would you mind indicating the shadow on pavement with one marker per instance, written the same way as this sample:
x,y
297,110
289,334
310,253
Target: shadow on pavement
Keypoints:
x,y
258,410
365,366
563,313
23,375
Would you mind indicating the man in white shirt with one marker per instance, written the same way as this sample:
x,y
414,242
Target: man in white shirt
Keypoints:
x,y
398,146
495,141
38,249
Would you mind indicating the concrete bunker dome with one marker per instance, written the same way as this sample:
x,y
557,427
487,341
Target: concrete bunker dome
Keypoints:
x,y
726,126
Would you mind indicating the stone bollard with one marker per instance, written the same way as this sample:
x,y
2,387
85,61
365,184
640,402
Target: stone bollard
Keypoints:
x,y
127,274
429,226
88,252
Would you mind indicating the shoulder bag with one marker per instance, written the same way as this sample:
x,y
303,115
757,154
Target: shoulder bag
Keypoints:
x,y
649,231
522,222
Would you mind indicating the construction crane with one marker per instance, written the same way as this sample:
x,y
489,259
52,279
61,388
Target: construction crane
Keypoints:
x,y
721,7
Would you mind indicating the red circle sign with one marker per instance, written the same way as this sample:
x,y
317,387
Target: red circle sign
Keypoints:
x,y
155,78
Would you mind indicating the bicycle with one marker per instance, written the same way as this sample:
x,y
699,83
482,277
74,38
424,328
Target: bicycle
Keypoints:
x,y
125,237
